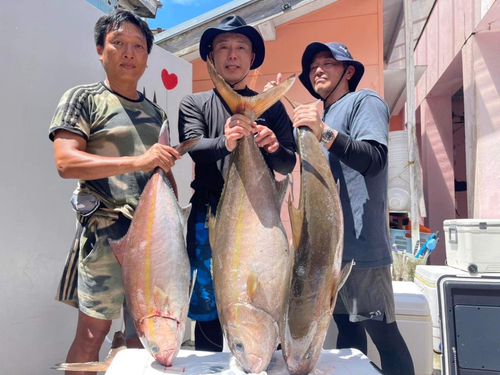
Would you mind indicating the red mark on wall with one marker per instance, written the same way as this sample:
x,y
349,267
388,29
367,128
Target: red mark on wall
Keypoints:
x,y
169,80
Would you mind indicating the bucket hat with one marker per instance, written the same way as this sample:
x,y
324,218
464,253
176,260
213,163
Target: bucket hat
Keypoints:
x,y
340,53
234,24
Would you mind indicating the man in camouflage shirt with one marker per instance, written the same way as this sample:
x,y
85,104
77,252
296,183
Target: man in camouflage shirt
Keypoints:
x,y
105,135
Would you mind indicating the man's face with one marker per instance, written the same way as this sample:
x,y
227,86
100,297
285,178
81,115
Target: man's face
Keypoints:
x,y
325,72
124,55
232,56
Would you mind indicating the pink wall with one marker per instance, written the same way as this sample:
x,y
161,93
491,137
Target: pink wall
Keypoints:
x,y
462,49
448,26
357,24
459,46
437,166
482,123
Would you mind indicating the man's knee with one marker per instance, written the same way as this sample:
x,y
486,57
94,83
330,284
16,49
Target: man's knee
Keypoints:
x,y
91,332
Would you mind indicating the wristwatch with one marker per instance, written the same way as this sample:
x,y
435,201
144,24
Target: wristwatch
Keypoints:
x,y
326,136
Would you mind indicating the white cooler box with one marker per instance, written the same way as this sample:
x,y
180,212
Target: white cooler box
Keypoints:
x,y
473,245
426,278
414,322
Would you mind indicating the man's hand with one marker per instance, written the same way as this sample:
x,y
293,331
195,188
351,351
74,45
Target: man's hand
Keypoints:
x,y
308,115
273,83
158,156
72,161
265,138
237,127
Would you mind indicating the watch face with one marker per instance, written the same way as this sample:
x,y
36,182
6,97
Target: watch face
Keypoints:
x,y
327,136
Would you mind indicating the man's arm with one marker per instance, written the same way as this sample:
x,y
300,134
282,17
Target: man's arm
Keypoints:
x,y
283,158
368,157
192,124
73,162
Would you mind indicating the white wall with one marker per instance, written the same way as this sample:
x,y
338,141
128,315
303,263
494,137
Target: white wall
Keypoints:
x,y
46,48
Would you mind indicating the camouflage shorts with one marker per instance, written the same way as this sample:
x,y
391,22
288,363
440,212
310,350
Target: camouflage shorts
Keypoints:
x,y
98,282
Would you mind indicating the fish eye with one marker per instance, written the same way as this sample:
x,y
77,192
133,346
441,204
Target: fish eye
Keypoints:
x,y
154,348
238,346
308,356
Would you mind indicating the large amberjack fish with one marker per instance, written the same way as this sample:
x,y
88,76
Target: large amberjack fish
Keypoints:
x,y
250,254
155,265
117,346
318,237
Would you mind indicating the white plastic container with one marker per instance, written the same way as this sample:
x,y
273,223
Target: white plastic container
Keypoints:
x,y
398,171
473,245
414,323
426,278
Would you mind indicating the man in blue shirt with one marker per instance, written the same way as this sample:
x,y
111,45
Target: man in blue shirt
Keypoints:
x,y
354,132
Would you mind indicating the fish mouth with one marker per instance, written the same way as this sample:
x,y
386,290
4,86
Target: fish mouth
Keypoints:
x,y
166,357
161,337
255,364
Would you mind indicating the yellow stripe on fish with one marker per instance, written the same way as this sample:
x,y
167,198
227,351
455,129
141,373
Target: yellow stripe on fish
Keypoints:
x,y
147,259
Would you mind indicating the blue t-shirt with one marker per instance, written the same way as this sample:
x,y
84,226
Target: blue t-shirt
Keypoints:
x,y
363,116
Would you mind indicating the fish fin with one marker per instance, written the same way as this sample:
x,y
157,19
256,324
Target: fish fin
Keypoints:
x,y
84,367
292,102
253,104
193,280
252,284
119,341
118,248
164,137
212,224
118,344
262,102
184,214
160,298
186,146
344,274
296,221
231,97
281,188
316,102
295,104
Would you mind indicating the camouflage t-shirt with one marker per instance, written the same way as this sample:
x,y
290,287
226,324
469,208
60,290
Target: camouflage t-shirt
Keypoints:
x,y
113,126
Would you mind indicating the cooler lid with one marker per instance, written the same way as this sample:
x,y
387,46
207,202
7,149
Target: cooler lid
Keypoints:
x,y
473,223
409,299
432,273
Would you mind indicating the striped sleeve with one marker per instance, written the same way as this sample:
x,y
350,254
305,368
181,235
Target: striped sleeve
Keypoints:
x,y
73,111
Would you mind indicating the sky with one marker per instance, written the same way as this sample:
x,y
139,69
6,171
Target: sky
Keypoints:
x,y
175,12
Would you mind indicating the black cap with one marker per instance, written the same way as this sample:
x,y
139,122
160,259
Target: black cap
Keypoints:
x,y
340,53
234,24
